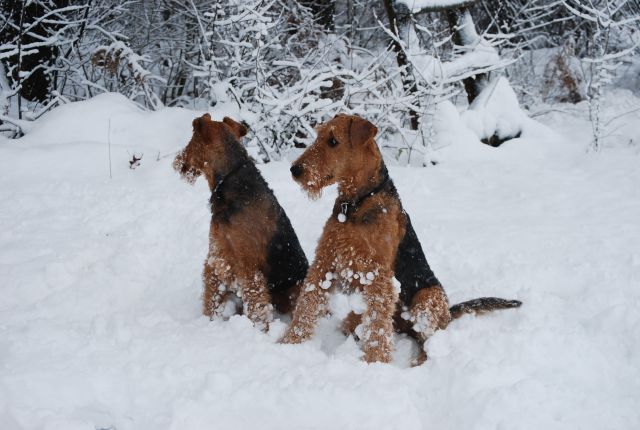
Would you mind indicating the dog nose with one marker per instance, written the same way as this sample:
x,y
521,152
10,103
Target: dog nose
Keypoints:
x,y
296,170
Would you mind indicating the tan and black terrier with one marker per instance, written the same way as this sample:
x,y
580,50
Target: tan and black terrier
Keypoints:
x,y
367,241
253,251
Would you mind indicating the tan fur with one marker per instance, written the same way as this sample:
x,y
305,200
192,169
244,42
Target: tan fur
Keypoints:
x,y
237,251
205,150
236,262
358,247
429,312
351,322
351,162
359,256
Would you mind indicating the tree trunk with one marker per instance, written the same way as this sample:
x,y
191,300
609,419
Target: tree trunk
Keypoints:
x,y
323,12
408,83
464,34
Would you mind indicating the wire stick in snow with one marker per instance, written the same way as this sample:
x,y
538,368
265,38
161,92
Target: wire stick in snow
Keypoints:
x,y
109,146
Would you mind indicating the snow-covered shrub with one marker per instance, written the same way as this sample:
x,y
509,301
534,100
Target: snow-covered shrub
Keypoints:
x,y
70,50
259,54
285,65
445,55
613,36
124,72
286,77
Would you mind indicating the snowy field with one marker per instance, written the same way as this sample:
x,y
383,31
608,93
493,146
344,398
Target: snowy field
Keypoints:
x,y
100,324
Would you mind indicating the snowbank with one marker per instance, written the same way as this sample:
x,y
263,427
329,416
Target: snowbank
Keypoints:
x,y
112,117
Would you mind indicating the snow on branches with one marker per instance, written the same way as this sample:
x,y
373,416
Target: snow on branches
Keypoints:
x,y
285,65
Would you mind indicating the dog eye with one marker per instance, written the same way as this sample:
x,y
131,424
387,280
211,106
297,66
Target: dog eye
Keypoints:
x,y
332,142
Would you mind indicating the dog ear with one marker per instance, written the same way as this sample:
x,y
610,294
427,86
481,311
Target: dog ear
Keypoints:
x,y
237,129
361,130
198,123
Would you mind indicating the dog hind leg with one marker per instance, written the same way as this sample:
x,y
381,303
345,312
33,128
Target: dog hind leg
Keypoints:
x,y
429,312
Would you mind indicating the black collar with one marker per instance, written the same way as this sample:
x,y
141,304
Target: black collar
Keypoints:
x,y
220,182
347,206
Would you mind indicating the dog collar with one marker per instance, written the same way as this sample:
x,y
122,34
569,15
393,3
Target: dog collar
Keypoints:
x,y
352,205
220,182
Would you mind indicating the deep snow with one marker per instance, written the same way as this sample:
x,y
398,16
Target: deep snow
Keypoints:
x,y
100,323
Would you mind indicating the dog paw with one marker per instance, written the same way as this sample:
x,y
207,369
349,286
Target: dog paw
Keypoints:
x,y
420,359
377,356
292,336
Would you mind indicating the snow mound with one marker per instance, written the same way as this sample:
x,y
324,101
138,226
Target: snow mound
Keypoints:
x,y
111,117
496,112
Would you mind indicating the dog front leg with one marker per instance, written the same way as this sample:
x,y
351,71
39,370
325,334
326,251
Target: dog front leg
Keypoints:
x,y
381,298
256,301
216,279
311,304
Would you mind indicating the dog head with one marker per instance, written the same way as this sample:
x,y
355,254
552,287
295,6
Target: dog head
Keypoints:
x,y
209,149
344,147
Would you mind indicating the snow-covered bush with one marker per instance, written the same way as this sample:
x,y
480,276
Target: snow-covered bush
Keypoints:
x,y
285,65
70,50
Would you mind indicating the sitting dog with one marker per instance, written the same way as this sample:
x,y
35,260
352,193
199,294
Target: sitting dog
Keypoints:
x,y
367,241
253,251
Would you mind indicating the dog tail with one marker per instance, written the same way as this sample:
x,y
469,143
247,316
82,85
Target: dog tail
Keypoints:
x,y
482,305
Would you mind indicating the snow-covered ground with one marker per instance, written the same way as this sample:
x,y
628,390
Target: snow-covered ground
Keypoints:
x,y
100,324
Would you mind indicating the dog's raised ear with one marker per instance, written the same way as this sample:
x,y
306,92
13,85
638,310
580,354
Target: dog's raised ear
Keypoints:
x,y
237,129
198,123
361,130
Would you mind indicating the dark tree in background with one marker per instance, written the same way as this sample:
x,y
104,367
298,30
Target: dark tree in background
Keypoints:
x,y
398,16
24,26
464,34
323,12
